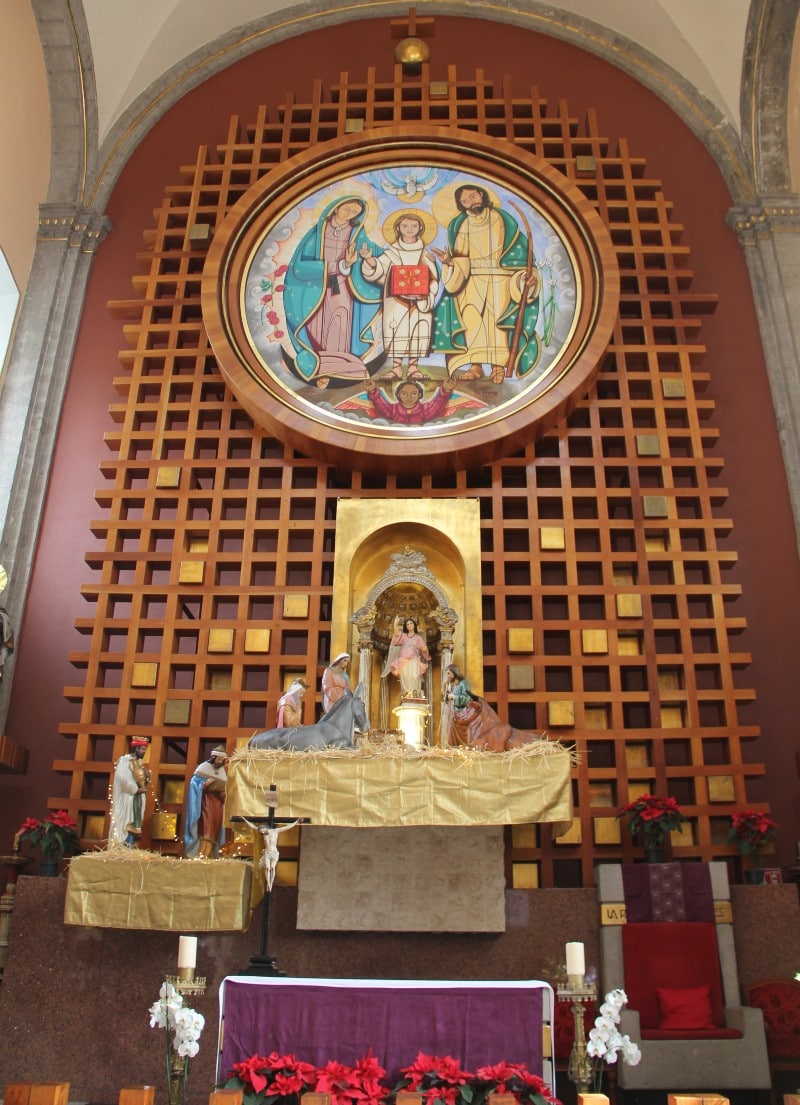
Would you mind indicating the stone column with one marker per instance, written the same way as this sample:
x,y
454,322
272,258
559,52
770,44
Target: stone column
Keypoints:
x,y
35,379
769,232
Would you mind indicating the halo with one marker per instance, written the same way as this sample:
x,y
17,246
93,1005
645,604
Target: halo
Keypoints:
x,y
444,204
430,228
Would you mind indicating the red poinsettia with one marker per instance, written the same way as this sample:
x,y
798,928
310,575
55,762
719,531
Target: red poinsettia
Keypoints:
x,y
438,1077
511,1078
273,1076
349,1085
654,817
56,835
751,830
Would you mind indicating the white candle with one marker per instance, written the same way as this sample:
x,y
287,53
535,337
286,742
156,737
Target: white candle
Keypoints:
x,y
187,951
576,963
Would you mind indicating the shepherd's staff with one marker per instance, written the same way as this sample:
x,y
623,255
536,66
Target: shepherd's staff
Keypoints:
x,y
527,283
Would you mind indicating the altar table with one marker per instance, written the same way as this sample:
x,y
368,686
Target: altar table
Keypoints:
x,y
321,1019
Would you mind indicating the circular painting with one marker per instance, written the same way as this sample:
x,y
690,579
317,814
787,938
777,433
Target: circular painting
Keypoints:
x,y
414,298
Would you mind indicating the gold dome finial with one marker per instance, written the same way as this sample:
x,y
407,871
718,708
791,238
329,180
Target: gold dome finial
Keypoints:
x,y
411,53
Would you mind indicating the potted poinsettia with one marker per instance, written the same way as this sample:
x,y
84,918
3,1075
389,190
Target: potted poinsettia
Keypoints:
x,y
267,1079
653,818
501,1078
441,1079
56,837
751,831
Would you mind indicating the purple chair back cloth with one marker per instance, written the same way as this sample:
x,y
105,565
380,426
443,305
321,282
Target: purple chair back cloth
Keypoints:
x,y
667,892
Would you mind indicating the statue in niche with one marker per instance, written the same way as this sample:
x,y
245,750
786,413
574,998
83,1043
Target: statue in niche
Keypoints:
x,y
408,658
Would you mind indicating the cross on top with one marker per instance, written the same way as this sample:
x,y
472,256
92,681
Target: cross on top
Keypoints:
x,y
412,26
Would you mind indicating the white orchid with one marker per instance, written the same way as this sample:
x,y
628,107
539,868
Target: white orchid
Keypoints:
x,y
605,1041
183,1023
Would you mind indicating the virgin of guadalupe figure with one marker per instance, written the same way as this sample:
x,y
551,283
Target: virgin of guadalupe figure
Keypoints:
x,y
410,281
408,658
330,307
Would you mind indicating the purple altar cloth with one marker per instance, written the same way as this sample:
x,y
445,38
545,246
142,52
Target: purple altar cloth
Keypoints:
x,y
340,1019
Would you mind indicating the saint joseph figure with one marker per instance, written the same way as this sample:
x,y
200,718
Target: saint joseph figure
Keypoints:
x,y
487,269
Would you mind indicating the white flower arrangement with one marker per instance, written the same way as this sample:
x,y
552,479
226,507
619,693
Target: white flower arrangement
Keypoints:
x,y
606,1042
171,1014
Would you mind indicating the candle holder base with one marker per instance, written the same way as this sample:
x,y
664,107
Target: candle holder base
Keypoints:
x,y
578,991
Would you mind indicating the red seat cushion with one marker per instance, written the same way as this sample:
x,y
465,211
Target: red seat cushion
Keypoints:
x,y
714,1033
686,1008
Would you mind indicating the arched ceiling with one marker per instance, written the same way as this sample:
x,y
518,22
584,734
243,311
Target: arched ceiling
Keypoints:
x,y
134,45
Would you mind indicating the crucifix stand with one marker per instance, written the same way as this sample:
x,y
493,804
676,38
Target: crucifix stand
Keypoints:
x,y
268,827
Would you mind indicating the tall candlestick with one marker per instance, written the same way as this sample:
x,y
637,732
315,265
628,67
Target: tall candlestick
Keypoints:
x,y
187,952
576,963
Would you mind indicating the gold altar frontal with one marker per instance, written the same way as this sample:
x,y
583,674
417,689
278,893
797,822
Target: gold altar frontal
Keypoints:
x,y
378,787
131,889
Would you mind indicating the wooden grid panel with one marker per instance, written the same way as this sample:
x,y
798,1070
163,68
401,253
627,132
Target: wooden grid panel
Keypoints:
x,y
608,618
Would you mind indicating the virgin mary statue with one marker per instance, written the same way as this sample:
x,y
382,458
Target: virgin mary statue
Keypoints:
x,y
408,658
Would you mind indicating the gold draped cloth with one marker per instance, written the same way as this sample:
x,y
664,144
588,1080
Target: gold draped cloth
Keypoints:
x,y
129,888
376,787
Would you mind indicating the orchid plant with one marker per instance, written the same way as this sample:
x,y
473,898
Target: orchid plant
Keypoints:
x,y
606,1043
185,1024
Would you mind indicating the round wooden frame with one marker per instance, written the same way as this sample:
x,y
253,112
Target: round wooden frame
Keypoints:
x,y
433,447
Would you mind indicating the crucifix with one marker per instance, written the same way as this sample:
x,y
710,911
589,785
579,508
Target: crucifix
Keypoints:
x,y
269,828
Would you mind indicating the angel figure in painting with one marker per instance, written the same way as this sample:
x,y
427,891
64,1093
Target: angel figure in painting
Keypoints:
x,y
410,408
408,658
410,280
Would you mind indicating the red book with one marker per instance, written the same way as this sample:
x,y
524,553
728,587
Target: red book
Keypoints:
x,y
409,280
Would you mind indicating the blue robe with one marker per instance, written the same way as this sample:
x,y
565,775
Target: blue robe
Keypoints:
x,y
194,801
305,286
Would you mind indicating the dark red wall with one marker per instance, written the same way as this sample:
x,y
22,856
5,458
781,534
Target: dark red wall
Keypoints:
x,y
763,534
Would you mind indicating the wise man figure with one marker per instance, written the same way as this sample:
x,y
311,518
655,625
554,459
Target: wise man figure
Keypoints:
x,y
204,830
129,795
290,705
335,680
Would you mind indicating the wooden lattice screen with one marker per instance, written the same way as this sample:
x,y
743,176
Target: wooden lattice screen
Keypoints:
x,y
606,617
